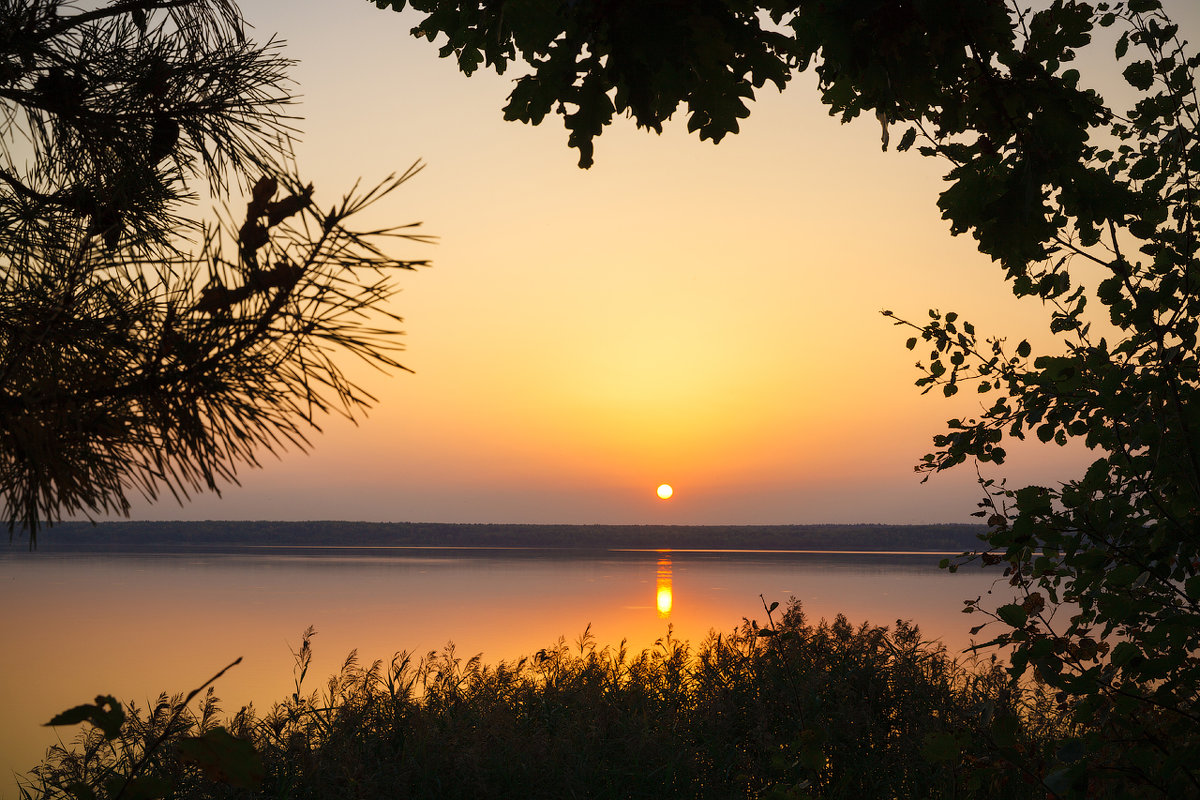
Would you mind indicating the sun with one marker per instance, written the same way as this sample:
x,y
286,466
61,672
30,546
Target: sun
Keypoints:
x,y
665,491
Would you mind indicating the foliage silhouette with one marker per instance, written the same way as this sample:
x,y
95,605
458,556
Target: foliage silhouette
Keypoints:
x,y
1056,186
884,714
144,350
141,758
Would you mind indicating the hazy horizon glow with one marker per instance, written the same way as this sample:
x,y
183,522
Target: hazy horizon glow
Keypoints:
x,y
707,314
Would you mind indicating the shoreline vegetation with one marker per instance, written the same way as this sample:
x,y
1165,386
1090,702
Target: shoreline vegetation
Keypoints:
x,y
790,709
189,536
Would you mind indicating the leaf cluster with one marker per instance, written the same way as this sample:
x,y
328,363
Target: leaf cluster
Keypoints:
x,y
1117,546
130,754
591,61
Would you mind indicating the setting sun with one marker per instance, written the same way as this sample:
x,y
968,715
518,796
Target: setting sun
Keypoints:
x,y
665,491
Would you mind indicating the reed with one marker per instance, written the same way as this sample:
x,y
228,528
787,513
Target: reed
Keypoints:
x,y
788,709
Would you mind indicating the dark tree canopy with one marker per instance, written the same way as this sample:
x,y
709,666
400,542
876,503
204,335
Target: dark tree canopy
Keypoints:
x,y
590,61
1055,184
142,349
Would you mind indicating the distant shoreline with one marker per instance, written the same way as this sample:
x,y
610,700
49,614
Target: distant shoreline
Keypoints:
x,y
208,536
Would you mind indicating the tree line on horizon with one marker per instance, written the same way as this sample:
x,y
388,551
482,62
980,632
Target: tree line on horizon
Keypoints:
x,y
947,538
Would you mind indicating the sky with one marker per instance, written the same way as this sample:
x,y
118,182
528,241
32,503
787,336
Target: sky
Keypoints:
x,y
704,316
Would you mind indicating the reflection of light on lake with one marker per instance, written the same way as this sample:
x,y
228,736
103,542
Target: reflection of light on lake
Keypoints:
x,y
489,602
663,585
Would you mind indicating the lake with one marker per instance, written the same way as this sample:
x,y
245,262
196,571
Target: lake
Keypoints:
x,y
132,625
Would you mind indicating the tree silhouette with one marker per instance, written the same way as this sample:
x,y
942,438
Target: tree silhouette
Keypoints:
x,y
142,349
1060,189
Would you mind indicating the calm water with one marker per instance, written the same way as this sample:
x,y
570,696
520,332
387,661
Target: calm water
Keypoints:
x,y
134,625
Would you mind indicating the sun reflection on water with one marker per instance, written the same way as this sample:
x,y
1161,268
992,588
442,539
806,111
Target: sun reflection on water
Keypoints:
x,y
663,585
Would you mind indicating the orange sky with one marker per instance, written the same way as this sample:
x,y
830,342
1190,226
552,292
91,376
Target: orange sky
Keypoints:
x,y
702,315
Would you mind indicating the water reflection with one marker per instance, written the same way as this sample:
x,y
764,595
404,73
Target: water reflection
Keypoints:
x,y
663,585
503,604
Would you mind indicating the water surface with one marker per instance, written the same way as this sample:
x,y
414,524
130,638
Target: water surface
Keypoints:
x,y
133,625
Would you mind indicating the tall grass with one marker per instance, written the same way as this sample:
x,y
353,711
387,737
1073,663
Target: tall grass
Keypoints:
x,y
790,710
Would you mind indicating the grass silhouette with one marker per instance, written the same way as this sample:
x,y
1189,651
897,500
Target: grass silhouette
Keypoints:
x,y
787,710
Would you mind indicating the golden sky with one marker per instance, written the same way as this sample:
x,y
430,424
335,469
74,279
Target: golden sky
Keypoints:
x,y
705,316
